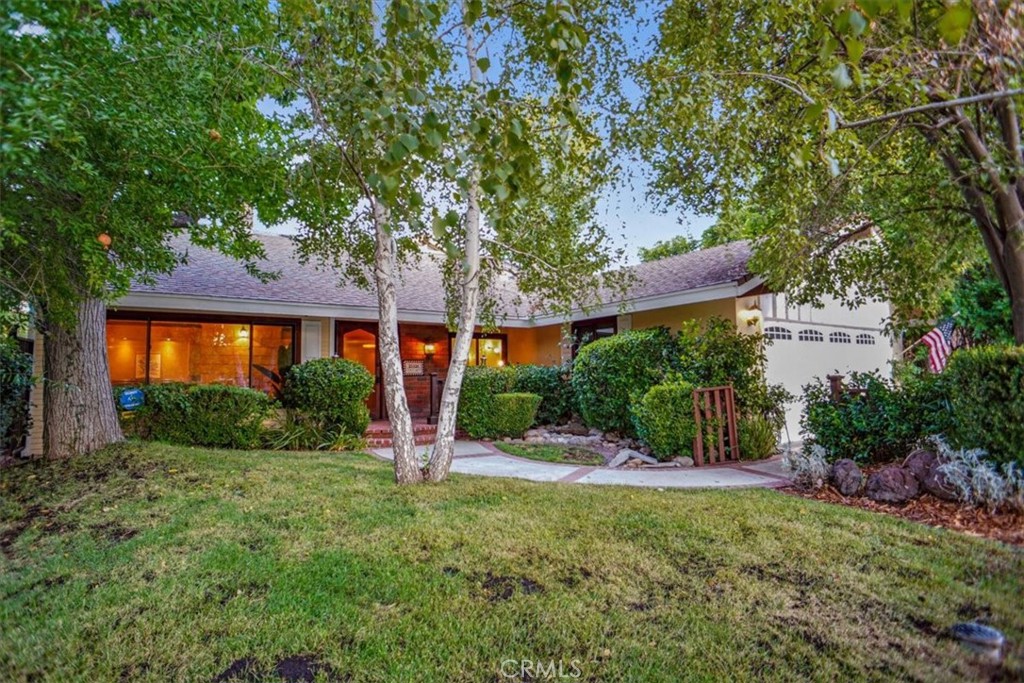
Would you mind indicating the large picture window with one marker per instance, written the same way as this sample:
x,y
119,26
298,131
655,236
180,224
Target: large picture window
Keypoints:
x,y
201,351
586,331
490,350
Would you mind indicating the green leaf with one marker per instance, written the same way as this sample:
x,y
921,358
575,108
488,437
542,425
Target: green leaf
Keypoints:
x,y
904,8
409,142
854,49
841,76
484,64
857,22
954,23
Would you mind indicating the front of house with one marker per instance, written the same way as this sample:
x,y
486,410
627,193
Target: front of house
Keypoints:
x,y
211,322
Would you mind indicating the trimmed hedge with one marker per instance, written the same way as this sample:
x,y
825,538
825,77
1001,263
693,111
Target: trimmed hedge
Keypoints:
x,y
476,399
211,415
663,419
610,373
986,391
513,414
331,393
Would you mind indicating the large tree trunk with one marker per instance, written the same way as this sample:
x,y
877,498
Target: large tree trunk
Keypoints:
x,y
407,465
444,445
79,414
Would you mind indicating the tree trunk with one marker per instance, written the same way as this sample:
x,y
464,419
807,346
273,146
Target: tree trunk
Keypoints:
x,y
79,415
407,465
444,444
1013,265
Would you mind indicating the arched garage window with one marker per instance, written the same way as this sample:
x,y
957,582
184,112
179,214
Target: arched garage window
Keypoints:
x,y
811,336
866,339
777,333
840,338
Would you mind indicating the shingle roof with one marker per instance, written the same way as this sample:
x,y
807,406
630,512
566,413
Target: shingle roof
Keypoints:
x,y
421,288
695,270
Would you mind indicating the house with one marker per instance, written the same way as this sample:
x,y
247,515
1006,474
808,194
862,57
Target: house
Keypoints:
x,y
210,321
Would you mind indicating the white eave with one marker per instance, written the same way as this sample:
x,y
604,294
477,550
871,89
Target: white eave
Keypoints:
x,y
191,303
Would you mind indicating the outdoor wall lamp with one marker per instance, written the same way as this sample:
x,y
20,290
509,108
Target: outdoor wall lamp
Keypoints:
x,y
429,349
750,317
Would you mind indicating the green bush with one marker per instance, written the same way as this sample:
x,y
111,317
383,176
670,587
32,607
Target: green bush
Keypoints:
x,y
552,384
757,436
15,380
201,415
881,425
476,399
610,373
713,352
663,419
330,393
512,414
986,389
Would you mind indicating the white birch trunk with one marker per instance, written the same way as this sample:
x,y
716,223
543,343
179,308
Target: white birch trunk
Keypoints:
x,y
407,465
444,444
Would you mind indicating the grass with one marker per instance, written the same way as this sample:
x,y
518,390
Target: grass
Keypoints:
x,y
571,455
155,563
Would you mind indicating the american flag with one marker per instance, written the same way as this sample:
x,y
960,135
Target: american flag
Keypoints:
x,y
940,344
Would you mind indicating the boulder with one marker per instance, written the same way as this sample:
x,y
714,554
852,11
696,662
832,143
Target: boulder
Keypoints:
x,y
637,455
684,460
847,477
920,462
892,485
935,483
619,459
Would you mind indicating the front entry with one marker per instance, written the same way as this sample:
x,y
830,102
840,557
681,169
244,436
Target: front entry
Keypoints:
x,y
357,341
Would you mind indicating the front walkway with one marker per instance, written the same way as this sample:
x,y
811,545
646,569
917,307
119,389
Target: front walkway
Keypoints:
x,y
483,459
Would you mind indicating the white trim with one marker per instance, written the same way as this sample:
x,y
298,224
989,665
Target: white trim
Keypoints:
x,y
192,303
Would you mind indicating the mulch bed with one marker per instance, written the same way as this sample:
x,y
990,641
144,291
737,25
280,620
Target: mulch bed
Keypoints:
x,y
1007,527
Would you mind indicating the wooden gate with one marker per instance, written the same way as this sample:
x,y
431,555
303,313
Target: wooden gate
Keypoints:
x,y
714,412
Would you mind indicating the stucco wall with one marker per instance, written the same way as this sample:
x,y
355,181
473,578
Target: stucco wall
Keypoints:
x,y
673,316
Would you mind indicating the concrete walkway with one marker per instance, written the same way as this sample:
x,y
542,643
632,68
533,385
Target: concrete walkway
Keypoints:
x,y
483,459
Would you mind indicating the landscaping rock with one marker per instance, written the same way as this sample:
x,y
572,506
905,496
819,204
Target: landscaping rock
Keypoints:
x,y
637,455
892,485
847,477
619,460
920,462
684,460
935,483
573,428
671,464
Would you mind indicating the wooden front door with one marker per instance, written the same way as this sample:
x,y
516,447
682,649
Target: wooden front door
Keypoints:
x,y
357,341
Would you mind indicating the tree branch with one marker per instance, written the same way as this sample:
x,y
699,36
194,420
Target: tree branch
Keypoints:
x,y
932,106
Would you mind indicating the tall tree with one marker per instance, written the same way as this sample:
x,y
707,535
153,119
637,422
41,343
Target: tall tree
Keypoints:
x,y
452,126
123,124
898,116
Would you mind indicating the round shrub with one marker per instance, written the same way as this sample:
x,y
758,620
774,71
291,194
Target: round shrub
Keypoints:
x,y
476,399
986,390
757,436
663,418
513,414
609,373
201,415
331,392
552,384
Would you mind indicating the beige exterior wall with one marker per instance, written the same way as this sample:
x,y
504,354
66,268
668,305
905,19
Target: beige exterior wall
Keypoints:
x,y
534,345
673,316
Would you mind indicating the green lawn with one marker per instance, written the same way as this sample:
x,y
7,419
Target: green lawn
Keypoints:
x,y
160,563
569,455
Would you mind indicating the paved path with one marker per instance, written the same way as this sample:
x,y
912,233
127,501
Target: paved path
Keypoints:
x,y
483,459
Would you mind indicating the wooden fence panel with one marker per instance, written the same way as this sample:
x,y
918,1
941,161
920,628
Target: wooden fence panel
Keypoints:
x,y
714,413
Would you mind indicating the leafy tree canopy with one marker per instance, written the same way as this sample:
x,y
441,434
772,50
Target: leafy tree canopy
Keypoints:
x,y
131,121
680,244
894,120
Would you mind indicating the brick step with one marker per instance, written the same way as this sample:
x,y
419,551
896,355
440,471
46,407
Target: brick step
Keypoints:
x,y
385,430
386,442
